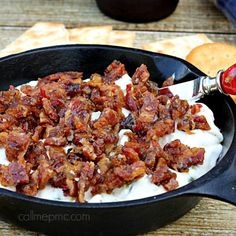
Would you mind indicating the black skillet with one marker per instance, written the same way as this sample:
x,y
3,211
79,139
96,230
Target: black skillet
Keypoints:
x,y
129,217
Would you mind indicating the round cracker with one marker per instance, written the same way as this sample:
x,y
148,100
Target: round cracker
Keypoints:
x,y
212,57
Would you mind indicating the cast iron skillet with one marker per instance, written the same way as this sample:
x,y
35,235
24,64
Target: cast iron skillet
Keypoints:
x,y
129,217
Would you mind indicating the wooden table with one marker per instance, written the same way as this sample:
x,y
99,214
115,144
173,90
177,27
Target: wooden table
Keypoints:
x,y
209,217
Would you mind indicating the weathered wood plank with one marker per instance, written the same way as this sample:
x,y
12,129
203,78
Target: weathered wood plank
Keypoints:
x,y
190,15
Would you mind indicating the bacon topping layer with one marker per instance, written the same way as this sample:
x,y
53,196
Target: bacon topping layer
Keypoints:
x,y
50,137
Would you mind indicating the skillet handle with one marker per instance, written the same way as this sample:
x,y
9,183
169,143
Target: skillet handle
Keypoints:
x,y
220,186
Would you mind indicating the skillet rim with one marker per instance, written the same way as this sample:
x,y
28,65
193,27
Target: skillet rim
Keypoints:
x,y
180,192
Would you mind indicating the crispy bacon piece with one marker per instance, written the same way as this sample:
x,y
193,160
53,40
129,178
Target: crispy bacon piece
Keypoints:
x,y
13,174
195,108
130,155
35,153
130,99
86,174
201,123
42,174
37,133
56,141
107,96
161,128
52,91
178,107
72,76
8,98
104,165
181,157
28,189
148,112
3,138
6,122
17,145
141,75
107,182
131,172
153,154
56,136
87,150
108,117
186,124
49,109
162,175
113,72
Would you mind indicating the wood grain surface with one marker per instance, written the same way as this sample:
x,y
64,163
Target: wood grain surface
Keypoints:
x,y
209,217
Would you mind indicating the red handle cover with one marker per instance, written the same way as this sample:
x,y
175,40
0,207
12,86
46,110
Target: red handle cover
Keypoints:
x,y
228,80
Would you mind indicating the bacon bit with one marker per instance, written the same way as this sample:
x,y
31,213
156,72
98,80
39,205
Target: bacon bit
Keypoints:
x,y
186,124
108,117
161,128
72,76
154,152
130,172
17,145
6,122
129,99
42,174
131,155
55,141
113,72
181,157
35,153
37,133
3,139
141,75
195,108
49,109
162,175
104,165
13,174
178,107
201,123
86,174
171,184
28,189
166,92
149,108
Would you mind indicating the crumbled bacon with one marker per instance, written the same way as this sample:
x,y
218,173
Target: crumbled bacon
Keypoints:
x,y
13,174
178,107
201,123
17,144
141,75
114,71
130,100
162,175
38,122
161,128
180,156
130,172
42,174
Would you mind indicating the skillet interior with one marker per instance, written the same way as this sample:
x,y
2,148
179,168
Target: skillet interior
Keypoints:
x,y
130,217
